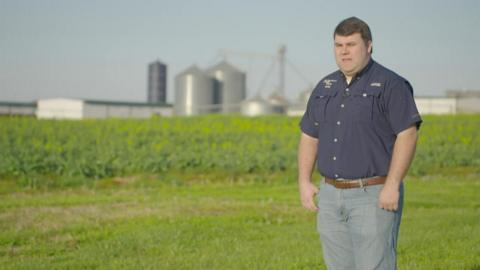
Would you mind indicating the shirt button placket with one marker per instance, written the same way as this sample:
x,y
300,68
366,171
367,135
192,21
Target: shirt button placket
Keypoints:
x,y
337,132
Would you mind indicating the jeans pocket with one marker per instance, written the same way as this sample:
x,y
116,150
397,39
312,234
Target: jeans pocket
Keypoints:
x,y
373,191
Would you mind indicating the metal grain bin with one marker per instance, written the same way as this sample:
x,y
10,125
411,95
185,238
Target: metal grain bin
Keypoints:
x,y
255,106
157,82
194,92
231,86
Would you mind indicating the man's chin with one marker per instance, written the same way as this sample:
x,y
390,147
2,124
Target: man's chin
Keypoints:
x,y
347,72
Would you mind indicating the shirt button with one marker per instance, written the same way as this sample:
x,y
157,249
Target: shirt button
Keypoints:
x,y
347,89
335,140
338,123
334,158
364,94
336,175
316,123
342,105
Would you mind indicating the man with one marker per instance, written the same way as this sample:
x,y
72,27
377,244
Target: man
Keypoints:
x,y
361,126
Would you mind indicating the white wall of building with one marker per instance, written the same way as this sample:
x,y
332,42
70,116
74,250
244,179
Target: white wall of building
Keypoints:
x,y
436,105
124,111
60,108
95,111
468,105
17,109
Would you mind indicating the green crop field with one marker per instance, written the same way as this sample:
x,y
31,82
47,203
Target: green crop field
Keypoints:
x,y
210,192
49,152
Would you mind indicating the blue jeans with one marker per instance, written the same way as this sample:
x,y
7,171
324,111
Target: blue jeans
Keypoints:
x,y
355,233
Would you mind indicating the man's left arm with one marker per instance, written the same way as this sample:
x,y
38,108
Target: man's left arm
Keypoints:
x,y
403,152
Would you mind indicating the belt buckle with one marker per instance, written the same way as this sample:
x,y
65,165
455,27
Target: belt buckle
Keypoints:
x,y
362,184
337,181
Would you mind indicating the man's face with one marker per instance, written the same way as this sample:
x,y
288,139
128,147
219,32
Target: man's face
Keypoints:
x,y
351,53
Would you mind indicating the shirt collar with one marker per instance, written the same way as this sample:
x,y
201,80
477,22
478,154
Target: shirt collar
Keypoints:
x,y
366,68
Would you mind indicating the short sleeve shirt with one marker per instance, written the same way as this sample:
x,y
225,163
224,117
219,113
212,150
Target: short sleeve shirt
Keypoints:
x,y
357,124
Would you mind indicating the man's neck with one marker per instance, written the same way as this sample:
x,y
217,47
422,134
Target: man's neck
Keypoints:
x,y
349,78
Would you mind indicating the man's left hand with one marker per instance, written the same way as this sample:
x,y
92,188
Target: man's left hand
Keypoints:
x,y
388,198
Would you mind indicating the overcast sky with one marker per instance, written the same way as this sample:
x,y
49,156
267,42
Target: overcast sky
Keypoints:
x,y
100,49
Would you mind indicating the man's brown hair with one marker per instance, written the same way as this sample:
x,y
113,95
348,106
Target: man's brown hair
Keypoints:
x,y
353,25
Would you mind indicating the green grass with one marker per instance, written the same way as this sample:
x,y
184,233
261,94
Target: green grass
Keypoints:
x,y
210,192
218,221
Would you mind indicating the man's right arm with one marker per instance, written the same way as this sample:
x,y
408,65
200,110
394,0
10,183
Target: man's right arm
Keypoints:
x,y
307,155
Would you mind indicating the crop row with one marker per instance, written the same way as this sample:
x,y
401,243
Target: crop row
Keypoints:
x,y
105,148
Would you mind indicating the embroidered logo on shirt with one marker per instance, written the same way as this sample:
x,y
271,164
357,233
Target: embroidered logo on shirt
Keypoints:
x,y
328,83
377,84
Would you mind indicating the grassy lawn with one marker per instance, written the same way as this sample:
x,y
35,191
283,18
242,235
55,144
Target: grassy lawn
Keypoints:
x,y
198,222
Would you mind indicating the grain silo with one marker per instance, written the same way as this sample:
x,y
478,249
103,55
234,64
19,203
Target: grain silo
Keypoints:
x,y
194,92
231,86
157,82
255,106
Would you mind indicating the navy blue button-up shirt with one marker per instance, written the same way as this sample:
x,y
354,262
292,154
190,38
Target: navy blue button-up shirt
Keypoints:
x,y
357,124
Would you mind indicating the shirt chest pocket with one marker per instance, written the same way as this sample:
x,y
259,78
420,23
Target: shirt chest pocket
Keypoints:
x,y
320,104
364,103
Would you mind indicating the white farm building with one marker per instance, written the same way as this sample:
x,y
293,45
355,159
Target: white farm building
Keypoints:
x,y
66,108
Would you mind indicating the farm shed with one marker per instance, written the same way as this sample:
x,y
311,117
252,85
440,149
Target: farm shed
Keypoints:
x,y
65,108
17,108
436,105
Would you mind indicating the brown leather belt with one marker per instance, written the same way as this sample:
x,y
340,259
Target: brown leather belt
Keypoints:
x,y
357,183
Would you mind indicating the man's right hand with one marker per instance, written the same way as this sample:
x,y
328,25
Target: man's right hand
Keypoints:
x,y
307,195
